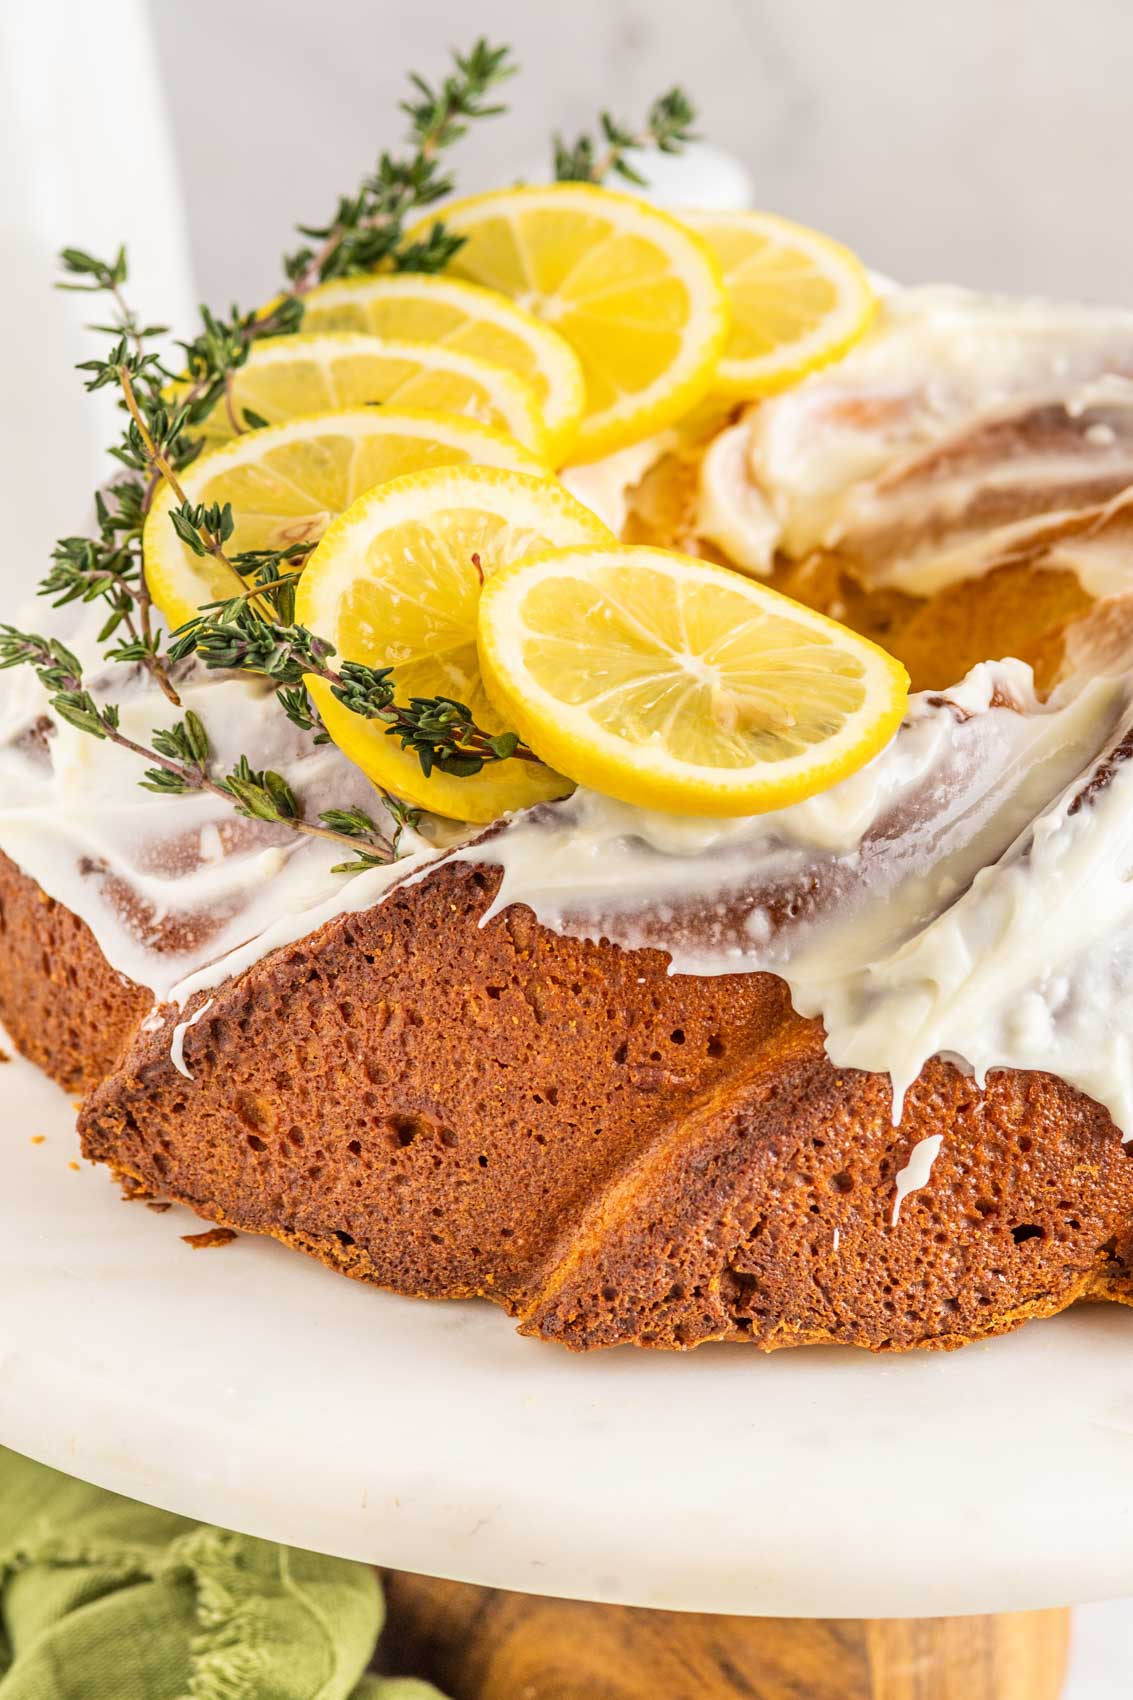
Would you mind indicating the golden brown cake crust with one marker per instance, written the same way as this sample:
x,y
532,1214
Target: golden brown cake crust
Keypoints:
x,y
612,1153
61,1001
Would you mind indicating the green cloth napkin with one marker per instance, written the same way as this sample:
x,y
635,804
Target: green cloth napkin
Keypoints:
x,y
105,1599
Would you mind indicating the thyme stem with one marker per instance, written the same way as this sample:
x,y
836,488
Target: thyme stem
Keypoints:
x,y
254,630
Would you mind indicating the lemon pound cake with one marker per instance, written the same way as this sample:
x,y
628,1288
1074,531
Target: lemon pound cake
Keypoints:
x,y
441,1093
635,826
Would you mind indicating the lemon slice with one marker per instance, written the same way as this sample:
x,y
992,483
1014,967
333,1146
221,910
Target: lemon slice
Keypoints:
x,y
286,484
289,377
679,685
799,300
396,583
423,308
638,296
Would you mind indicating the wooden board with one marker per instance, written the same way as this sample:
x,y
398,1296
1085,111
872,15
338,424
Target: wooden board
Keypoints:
x,y
487,1644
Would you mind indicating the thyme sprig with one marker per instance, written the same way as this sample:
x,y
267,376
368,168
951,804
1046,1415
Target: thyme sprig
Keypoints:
x,y
91,276
668,127
165,406
255,632
368,228
109,566
162,436
180,755
440,731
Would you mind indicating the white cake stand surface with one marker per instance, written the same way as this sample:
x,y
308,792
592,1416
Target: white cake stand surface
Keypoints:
x,y
248,1386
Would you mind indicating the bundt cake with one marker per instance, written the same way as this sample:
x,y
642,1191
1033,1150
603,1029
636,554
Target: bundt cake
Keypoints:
x,y
857,1070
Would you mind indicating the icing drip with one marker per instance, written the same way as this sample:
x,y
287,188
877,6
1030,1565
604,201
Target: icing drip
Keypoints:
x,y
917,1170
1032,966
177,1042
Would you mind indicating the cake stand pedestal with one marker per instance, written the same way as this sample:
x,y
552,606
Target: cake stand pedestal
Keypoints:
x,y
247,1386
486,1644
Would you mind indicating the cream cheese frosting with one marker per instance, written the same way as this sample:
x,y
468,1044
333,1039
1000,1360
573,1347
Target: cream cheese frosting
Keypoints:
x,y
604,485
920,453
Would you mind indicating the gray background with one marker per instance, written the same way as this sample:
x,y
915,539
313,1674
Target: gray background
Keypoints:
x,y
985,141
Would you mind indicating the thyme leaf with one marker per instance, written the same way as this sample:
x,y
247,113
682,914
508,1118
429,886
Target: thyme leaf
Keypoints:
x,y
668,127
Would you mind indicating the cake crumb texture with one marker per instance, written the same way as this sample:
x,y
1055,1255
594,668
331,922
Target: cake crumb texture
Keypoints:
x,y
61,1002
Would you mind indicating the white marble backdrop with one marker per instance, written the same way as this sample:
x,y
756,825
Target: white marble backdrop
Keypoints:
x,y
988,141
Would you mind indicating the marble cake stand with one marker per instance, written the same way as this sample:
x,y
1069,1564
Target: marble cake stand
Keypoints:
x,y
246,1385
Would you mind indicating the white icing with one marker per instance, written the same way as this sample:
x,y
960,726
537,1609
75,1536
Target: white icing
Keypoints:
x,y
936,357
604,486
917,1170
733,512
977,783
923,526
1031,967
177,1042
